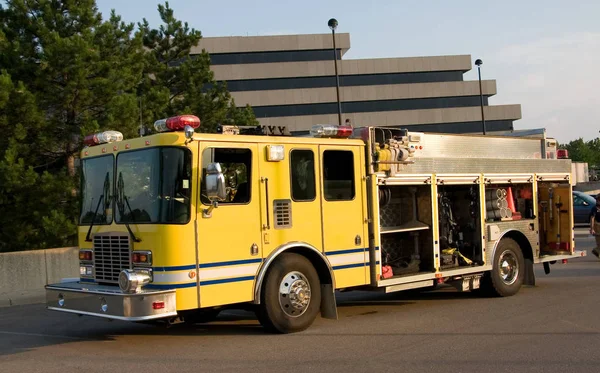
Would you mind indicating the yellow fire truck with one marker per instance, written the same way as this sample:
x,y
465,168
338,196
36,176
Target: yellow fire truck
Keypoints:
x,y
179,225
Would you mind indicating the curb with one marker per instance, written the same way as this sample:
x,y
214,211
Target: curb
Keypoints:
x,y
21,299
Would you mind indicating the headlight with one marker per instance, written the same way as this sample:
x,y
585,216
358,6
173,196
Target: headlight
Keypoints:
x,y
132,281
86,271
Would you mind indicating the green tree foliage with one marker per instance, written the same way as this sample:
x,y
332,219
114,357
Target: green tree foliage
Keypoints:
x,y
176,82
36,204
64,73
584,151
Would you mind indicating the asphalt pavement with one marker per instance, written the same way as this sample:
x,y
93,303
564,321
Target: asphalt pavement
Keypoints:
x,y
552,327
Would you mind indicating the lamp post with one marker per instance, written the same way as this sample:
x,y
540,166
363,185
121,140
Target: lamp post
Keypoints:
x,y
333,24
479,62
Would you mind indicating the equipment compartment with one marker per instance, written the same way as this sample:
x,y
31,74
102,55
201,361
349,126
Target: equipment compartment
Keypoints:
x,y
508,202
556,228
459,226
406,234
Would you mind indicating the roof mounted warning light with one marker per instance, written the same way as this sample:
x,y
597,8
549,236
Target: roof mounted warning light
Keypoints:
x,y
102,138
330,130
177,123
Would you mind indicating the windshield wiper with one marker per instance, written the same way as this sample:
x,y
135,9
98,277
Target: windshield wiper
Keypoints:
x,y
122,197
105,191
87,237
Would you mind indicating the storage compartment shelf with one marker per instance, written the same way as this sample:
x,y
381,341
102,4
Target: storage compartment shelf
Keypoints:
x,y
408,227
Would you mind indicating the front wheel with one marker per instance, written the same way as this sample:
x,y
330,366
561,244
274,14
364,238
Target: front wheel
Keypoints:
x,y
291,295
508,270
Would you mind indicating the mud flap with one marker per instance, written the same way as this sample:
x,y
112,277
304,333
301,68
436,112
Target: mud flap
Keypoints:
x,y
328,304
546,267
529,278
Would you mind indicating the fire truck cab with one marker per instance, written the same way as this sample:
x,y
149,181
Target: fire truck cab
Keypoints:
x,y
179,225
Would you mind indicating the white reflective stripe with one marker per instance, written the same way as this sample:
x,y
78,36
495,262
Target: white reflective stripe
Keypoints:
x,y
171,277
353,258
229,271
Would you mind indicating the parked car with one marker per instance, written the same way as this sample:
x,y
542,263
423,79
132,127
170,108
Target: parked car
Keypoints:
x,y
582,205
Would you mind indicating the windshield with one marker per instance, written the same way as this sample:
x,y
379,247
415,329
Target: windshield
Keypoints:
x,y
153,186
97,190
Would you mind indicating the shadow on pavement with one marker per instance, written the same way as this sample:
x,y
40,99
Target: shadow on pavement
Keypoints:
x,y
25,328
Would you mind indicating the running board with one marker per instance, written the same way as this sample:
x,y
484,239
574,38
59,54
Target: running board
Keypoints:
x,y
551,258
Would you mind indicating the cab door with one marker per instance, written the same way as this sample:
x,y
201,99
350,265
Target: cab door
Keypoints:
x,y
229,238
343,213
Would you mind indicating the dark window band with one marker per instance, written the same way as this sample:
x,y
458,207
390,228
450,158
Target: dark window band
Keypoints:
x,y
273,56
464,127
367,106
345,81
455,127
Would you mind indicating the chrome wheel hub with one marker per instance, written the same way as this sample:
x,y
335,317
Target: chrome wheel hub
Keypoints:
x,y
509,267
294,294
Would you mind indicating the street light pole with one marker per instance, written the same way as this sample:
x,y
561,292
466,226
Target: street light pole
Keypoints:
x,y
333,23
479,62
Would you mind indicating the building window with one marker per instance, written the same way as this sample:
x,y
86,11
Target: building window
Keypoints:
x,y
345,80
302,166
236,165
338,175
367,106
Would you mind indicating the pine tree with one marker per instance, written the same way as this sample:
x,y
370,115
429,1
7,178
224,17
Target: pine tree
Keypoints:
x,y
67,73
177,83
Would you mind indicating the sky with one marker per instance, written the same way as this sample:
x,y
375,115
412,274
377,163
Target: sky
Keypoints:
x,y
543,54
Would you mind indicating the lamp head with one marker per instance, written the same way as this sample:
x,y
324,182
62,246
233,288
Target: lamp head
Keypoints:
x,y
333,24
478,62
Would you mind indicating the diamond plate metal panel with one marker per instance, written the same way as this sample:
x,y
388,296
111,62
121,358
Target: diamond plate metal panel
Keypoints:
x,y
518,225
455,146
492,166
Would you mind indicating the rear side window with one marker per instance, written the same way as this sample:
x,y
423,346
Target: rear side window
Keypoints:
x,y
338,175
302,166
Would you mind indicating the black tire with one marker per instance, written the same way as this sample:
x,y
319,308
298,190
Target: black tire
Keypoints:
x,y
508,270
276,308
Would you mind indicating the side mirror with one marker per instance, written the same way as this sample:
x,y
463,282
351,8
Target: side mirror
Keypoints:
x,y
214,182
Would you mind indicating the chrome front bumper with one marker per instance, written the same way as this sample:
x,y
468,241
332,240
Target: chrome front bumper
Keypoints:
x,y
109,302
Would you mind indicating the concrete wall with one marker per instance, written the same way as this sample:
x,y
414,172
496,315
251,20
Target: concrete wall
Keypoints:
x,y
593,187
23,274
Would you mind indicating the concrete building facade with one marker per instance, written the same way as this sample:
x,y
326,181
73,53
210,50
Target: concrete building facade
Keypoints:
x,y
289,80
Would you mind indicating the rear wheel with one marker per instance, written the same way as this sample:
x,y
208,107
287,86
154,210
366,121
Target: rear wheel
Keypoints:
x,y
291,295
506,276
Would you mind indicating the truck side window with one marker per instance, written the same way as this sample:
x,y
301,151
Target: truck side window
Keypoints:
x,y
236,165
302,166
338,175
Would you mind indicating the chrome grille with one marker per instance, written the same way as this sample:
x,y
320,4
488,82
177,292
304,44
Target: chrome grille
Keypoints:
x,y
111,256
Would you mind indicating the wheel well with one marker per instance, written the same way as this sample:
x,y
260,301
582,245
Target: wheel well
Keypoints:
x,y
316,260
527,251
523,242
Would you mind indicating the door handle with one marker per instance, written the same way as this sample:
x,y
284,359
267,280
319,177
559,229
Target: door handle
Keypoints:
x,y
358,240
266,181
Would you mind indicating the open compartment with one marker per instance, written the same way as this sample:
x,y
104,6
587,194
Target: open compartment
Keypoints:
x,y
505,202
555,221
406,234
459,226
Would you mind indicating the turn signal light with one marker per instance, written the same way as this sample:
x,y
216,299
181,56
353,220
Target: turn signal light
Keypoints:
x,y
85,255
141,258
